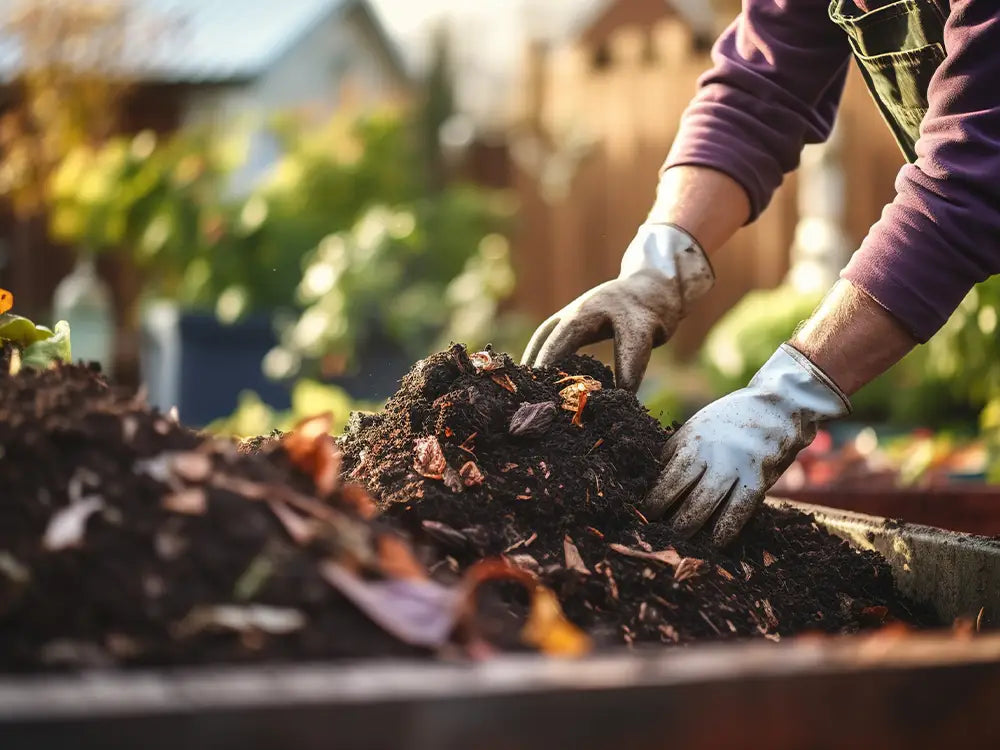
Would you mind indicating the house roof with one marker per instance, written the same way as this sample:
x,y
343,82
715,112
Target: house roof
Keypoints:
x,y
217,40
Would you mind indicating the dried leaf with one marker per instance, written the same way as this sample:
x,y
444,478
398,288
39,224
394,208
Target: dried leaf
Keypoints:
x,y
274,620
668,556
532,420
418,612
769,559
578,416
470,474
747,570
548,629
504,382
688,567
191,501
314,451
572,394
452,480
301,530
486,361
6,301
573,559
429,460
396,560
357,498
725,573
67,527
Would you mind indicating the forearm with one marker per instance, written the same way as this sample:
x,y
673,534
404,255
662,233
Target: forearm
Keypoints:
x,y
707,204
852,338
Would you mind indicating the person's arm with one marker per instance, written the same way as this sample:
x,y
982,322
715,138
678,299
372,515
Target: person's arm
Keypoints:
x,y
775,85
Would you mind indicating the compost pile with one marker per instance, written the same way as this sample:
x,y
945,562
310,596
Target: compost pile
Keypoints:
x,y
480,457
508,522
128,539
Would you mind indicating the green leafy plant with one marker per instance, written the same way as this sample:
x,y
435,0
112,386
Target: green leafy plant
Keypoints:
x,y
37,346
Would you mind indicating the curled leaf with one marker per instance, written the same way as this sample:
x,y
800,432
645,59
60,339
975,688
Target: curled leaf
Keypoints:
x,y
579,385
532,420
314,451
578,416
486,361
668,556
67,527
470,474
428,460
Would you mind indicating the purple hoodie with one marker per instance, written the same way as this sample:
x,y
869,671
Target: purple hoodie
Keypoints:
x,y
776,83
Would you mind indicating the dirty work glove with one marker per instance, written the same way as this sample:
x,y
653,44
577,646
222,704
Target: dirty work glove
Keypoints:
x,y
663,272
723,460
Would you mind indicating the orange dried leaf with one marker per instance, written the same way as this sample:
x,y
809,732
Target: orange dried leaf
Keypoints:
x,y
725,573
428,460
504,382
470,474
668,556
6,300
548,629
396,560
578,416
769,559
313,450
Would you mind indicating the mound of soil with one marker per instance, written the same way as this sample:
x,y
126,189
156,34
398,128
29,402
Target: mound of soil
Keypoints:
x,y
479,457
126,539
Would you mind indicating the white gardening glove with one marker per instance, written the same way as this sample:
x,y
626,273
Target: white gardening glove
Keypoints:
x,y
723,460
663,272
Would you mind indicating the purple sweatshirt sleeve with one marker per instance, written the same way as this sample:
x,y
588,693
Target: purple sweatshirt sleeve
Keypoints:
x,y
775,85
941,234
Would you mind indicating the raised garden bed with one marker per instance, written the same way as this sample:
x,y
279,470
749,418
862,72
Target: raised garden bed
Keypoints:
x,y
465,522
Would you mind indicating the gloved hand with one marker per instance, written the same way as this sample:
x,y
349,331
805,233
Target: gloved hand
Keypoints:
x,y
723,460
663,272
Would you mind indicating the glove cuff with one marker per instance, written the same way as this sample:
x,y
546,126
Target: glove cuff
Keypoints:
x,y
792,376
670,251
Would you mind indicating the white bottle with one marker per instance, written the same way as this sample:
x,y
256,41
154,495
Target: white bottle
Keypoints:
x,y
84,301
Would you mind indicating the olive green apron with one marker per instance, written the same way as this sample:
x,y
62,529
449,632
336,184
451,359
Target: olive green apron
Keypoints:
x,y
898,47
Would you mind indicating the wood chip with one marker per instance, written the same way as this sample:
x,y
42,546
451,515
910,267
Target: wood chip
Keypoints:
x,y
595,532
747,570
687,568
573,559
504,382
191,502
668,556
725,573
772,619
522,543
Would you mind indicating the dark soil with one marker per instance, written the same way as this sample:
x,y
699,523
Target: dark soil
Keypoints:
x,y
130,592
785,575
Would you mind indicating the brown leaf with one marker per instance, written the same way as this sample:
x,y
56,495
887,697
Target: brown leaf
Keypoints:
x,y
396,560
725,573
452,480
578,416
688,567
532,420
313,451
301,530
191,501
356,497
470,474
504,382
571,394
573,559
668,556
428,458
769,559
486,361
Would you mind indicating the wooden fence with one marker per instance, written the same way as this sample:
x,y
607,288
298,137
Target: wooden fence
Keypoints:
x,y
597,119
